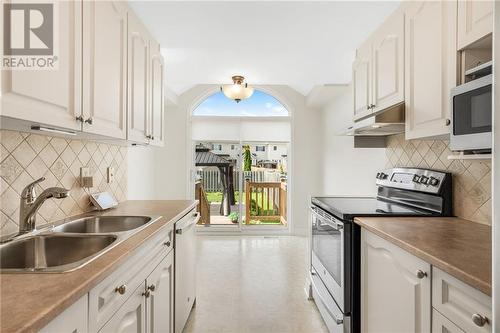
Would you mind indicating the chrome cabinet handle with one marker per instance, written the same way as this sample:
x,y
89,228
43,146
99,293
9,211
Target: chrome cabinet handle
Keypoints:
x,y
479,320
79,118
89,121
421,274
121,289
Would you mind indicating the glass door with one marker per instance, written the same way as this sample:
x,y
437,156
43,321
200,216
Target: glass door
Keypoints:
x,y
263,184
217,183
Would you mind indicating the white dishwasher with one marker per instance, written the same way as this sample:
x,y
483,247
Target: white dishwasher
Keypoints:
x,y
185,268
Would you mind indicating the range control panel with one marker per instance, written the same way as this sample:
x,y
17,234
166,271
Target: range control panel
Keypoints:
x,y
421,180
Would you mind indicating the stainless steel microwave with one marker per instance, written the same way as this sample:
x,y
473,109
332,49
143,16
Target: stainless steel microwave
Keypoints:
x,y
471,116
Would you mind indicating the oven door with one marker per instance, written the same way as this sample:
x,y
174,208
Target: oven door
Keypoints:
x,y
472,115
328,253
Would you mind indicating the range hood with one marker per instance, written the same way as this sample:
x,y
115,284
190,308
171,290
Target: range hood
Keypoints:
x,y
384,123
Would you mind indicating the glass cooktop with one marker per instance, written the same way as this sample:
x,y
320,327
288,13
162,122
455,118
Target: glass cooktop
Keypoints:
x,y
346,208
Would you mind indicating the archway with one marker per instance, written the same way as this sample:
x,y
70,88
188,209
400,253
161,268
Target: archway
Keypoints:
x,y
258,128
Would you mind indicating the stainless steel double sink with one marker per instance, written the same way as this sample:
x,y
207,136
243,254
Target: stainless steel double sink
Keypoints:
x,y
70,245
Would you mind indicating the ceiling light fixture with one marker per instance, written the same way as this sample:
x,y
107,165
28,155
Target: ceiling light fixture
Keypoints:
x,y
237,91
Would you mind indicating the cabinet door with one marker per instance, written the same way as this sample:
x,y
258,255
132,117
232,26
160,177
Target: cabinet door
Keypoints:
x,y
388,63
441,324
361,76
475,20
138,87
430,67
157,98
160,305
72,320
105,67
131,317
393,297
50,97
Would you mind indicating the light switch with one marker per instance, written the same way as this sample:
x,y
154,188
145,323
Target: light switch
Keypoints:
x,y
111,175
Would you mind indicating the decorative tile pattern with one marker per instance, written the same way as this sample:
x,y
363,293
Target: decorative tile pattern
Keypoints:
x,y
26,157
471,179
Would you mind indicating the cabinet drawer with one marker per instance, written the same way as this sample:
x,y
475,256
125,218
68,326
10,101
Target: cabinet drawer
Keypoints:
x,y
441,324
459,302
107,297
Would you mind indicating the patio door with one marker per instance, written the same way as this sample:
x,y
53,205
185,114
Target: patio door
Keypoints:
x,y
263,184
217,184
241,185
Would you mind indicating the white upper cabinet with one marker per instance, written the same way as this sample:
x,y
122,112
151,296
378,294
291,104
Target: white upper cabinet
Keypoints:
x,y
388,63
156,130
50,97
105,68
475,21
430,67
378,70
395,288
361,76
138,87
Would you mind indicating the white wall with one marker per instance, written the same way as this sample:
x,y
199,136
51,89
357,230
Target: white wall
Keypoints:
x,y
159,173
346,170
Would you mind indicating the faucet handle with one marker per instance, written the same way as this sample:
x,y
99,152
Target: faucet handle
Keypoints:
x,y
29,191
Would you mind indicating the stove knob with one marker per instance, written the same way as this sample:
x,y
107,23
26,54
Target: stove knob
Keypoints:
x,y
383,175
424,180
433,181
416,178
378,175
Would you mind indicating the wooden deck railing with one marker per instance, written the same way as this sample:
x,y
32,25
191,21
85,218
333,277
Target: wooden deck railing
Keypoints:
x,y
204,206
265,201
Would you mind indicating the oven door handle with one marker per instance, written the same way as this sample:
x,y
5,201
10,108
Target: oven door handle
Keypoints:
x,y
337,225
338,320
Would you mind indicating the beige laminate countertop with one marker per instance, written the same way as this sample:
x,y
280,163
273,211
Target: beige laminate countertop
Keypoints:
x,y
459,247
29,301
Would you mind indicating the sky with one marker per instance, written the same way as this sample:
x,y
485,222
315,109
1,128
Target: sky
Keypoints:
x,y
259,105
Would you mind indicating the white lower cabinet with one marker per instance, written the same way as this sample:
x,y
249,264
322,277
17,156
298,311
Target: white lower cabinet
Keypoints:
x,y
465,306
131,317
398,294
395,288
72,320
159,307
441,324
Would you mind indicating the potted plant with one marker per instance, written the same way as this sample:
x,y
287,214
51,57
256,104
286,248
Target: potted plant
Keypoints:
x,y
234,216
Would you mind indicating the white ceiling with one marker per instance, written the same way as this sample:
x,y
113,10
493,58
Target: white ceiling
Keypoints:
x,y
300,44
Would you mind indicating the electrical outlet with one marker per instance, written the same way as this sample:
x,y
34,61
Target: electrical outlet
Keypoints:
x,y
85,172
111,174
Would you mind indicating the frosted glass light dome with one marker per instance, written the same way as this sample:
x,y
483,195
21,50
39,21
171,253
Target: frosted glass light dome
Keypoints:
x,y
237,91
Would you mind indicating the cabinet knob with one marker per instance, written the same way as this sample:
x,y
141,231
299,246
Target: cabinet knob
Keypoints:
x,y
167,243
146,294
479,320
421,274
121,289
152,287
79,118
368,107
148,136
372,106
448,122
89,121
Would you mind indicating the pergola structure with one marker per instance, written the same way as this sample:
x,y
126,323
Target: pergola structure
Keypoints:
x,y
205,158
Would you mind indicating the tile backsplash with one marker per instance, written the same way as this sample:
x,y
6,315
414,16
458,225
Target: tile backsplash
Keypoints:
x,y
471,178
26,157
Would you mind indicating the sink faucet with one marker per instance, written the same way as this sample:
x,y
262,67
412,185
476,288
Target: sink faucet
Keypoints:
x,y
30,204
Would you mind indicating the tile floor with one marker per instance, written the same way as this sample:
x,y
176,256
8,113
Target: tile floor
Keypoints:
x,y
252,284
